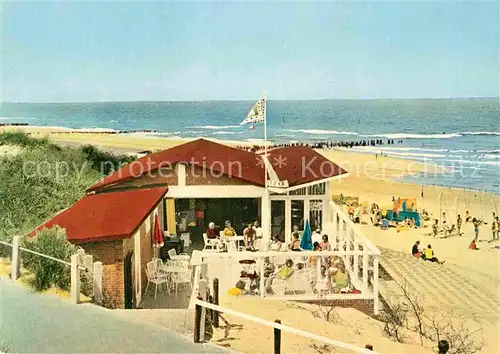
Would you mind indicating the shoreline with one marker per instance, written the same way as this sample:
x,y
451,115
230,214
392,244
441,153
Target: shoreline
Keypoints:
x,y
142,140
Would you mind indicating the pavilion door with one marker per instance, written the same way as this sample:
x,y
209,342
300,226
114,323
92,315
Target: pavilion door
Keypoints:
x,y
278,218
316,214
128,280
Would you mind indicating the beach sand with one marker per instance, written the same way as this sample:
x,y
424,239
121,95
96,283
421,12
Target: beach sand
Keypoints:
x,y
372,179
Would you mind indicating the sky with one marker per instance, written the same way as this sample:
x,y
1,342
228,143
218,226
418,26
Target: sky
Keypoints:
x,y
65,51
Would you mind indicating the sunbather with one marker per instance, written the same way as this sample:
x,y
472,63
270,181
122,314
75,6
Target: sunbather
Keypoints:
x,y
283,273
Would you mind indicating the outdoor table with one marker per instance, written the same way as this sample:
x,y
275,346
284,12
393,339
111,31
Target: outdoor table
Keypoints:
x,y
181,257
236,239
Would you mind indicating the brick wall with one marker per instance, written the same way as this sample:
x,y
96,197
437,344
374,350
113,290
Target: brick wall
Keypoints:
x,y
363,305
111,255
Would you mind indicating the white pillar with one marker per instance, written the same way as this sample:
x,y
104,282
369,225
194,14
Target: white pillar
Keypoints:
x,y
16,259
288,220
266,220
97,275
262,288
375,285
356,255
75,279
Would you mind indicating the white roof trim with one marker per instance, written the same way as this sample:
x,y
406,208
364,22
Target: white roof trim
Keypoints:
x,y
315,182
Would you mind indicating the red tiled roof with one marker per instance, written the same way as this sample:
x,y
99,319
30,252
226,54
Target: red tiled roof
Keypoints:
x,y
106,216
301,165
217,157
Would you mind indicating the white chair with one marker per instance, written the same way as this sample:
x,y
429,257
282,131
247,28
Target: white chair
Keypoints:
x,y
231,247
172,254
211,244
181,277
155,277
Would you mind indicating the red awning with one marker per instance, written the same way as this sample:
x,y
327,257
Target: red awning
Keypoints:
x,y
107,216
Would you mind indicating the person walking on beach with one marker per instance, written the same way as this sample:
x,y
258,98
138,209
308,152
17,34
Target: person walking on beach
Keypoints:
x,y
435,227
494,228
476,228
422,191
459,224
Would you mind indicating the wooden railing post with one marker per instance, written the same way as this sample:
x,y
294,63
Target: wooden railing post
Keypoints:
x,y
216,302
197,322
75,278
277,339
16,259
203,316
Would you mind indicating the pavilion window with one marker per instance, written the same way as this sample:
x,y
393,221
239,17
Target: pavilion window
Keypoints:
x,y
317,189
298,213
300,191
316,214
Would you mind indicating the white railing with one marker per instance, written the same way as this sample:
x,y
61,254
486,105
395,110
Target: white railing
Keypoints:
x,y
78,263
281,327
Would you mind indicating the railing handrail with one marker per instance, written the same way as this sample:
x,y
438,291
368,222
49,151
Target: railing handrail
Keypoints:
x,y
285,328
342,215
38,254
292,254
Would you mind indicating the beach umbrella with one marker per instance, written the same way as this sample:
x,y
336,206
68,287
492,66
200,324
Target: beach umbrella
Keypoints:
x,y
158,237
306,240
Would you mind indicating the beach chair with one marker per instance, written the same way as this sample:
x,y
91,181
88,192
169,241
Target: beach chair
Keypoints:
x,y
155,277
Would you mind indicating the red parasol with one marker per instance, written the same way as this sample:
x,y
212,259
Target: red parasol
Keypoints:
x,y
158,237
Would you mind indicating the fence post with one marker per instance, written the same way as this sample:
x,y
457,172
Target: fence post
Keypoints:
x,y
75,279
97,274
216,302
277,339
203,295
197,322
16,259
375,284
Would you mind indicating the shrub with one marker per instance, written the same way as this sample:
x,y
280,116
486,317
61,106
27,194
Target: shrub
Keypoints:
x,y
48,273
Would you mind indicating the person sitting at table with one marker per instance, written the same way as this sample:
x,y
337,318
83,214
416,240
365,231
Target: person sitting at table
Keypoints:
x,y
295,244
325,245
249,235
211,231
228,230
258,235
316,236
340,278
275,244
295,230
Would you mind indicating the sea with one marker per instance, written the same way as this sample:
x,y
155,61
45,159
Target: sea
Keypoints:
x,y
462,135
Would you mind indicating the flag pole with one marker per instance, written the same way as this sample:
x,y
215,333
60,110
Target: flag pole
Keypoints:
x,y
265,141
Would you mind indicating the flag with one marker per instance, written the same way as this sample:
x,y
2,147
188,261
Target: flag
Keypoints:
x,y
257,114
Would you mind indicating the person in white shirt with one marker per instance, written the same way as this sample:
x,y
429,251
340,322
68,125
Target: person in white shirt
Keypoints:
x,y
316,236
258,235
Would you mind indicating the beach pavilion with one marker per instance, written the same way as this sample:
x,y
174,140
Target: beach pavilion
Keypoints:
x,y
115,221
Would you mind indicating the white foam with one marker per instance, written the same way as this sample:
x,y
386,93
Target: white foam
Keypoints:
x,y
222,132
480,133
114,121
320,131
415,154
214,127
18,118
413,136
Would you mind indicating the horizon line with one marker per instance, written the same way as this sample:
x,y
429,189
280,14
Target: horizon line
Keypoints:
x,y
251,100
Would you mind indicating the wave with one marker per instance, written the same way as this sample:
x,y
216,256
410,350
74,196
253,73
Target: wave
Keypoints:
x,y
114,121
415,154
413,136
387,148
458,162
480,133
490,156
222,132
17,118
214,127
495,151
320,131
